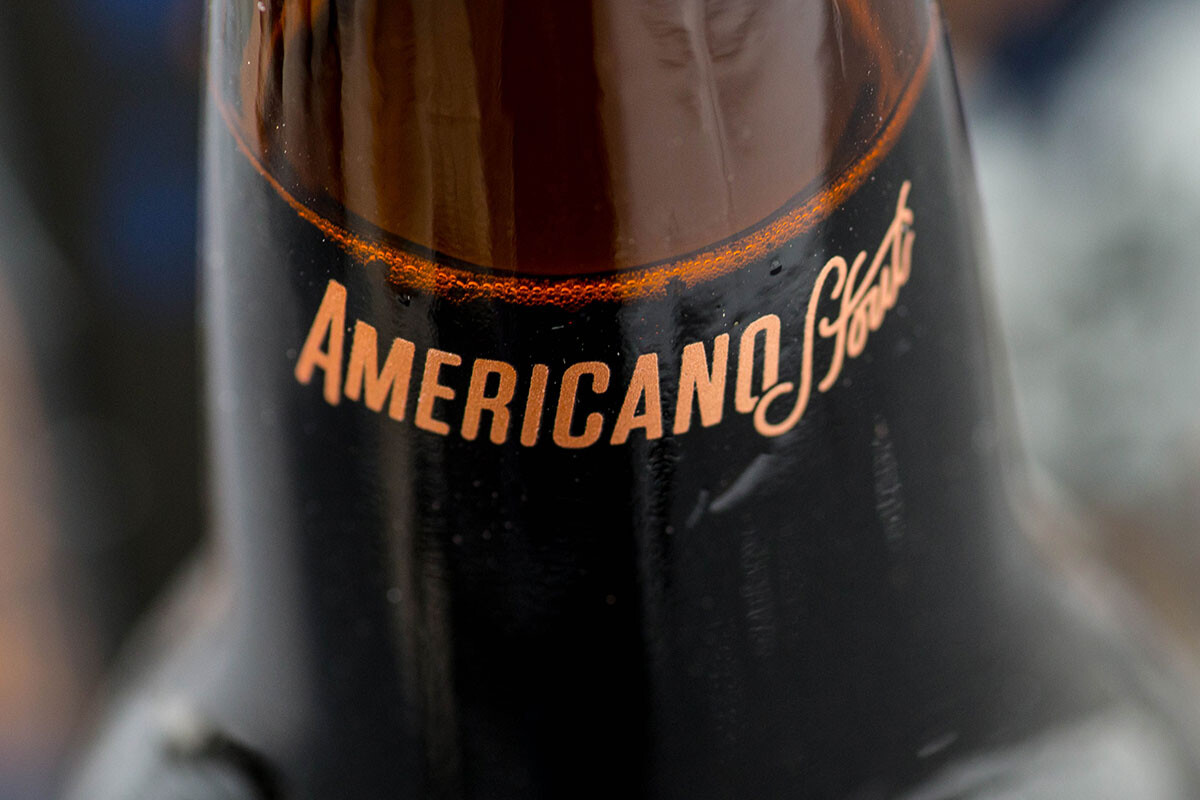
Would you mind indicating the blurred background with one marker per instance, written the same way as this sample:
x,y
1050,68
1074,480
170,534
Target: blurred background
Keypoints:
x,y
1086,130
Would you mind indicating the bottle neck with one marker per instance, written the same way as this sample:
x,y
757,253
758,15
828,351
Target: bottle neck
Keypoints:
x,y
714,524
552,139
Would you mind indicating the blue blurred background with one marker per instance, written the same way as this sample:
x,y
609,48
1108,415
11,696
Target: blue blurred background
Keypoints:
x,y
99,450
1086,131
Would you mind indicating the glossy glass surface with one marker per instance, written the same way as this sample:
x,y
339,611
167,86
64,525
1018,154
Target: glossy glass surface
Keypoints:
x,y
603,404
561,138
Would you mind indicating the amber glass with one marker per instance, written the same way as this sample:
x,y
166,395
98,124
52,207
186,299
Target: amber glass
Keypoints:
x,y
550,138
602,403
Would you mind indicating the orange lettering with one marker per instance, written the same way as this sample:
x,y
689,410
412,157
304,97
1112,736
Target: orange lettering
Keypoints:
x,y
697,381
643,384
566,405
532,421
479,401
769,326
329,323
432,390
393,378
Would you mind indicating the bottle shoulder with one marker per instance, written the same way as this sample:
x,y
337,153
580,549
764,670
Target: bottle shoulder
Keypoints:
x,y
1121,752
1132,737
145,755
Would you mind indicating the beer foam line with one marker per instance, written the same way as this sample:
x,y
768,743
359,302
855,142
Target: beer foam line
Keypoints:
x,y
410,271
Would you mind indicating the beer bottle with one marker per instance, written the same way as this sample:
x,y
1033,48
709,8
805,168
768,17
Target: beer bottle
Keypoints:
x,y
602,403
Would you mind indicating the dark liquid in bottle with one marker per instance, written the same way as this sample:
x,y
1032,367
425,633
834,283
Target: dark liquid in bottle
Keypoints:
x,y
603,405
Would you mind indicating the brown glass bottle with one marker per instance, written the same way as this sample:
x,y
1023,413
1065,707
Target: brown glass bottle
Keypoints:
x,y
602,404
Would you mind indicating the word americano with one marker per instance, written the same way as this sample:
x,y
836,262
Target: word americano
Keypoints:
x,y
860,294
